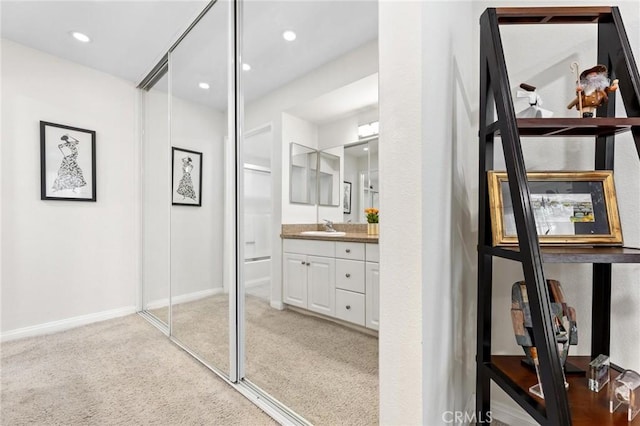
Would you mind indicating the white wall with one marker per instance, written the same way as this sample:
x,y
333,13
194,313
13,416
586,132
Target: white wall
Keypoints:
x,y
449,186
196,232
155,157
402,372
196,237
64,259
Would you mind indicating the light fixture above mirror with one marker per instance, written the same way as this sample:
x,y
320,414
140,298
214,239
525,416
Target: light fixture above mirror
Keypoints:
x,y
368,130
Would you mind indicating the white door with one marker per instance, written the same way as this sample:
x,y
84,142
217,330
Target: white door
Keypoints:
x,y
295,279
321,285
373,295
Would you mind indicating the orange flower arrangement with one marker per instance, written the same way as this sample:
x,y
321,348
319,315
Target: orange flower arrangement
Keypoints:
x,y
372,215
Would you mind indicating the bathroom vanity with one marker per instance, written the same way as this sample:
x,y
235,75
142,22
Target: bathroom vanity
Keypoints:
x,y
335,276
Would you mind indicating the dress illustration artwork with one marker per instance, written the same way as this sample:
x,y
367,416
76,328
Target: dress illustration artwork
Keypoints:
x,y
69,174
185,187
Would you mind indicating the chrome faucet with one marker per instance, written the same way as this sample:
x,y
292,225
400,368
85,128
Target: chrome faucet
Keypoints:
x,y
328,226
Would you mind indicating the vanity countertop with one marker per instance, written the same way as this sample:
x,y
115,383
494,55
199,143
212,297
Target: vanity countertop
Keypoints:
x,y
355,233
354,237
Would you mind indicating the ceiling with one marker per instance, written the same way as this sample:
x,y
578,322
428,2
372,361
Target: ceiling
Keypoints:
x,y
130,37
127,37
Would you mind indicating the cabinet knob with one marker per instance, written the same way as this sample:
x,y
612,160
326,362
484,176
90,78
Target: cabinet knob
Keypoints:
x,y
303,262
348,307
308,264
347,275
348,250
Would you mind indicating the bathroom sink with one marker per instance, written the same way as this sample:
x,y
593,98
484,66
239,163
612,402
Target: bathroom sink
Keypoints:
x,y
323,233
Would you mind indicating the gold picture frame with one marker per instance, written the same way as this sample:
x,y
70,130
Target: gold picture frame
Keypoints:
x,y
570,208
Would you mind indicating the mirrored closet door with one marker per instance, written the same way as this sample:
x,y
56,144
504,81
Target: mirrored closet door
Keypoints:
x,y
199,294
155,198
310,75
186,285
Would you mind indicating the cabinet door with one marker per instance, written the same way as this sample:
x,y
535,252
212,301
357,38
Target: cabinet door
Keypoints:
x,y
321,285
295,279
373,295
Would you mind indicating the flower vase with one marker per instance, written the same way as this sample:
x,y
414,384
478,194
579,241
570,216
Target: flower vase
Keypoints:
x,y
373,228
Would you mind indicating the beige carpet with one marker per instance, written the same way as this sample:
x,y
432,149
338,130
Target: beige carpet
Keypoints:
x,y
124,371
117,372
324,371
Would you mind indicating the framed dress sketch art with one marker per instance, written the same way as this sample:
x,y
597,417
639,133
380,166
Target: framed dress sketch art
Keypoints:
x,y
186,180
346,201
67,163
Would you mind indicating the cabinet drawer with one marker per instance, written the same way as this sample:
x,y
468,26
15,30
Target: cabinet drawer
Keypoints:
x,y
373,253
350,275
353,251
310,247
350,306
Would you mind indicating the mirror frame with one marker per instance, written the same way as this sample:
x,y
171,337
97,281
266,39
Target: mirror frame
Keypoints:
x,y
309,202
322,153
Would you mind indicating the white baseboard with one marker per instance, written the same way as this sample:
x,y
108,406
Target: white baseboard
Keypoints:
x,y
189,297
65,324
510,415
257,282
276,304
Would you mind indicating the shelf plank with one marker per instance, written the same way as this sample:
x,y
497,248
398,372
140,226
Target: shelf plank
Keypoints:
x,y
574,254
551,15
587,408
574,126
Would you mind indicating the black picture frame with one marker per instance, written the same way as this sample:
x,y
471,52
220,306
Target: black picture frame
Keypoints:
x,y
186,177
67,163
346,200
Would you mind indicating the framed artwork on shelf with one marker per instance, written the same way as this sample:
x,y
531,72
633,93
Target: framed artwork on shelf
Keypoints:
x,y
67,163
186,177
570,208
346,201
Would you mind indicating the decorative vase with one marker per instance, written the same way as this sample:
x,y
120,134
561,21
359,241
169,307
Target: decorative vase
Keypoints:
x,y
373,228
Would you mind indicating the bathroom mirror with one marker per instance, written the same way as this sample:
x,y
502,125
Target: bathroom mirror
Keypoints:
x,y
361,170
302,174
329,179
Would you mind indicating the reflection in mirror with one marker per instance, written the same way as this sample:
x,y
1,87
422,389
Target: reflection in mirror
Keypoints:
x,y
303,174
199,296
360,168
329,179
155,200
315,91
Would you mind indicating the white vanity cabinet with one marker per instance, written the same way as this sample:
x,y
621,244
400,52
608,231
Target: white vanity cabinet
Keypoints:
x,y
333,278
309,275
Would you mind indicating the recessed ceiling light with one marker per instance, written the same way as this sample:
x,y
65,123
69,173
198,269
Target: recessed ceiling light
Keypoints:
x,y
204,85
246,67
289,35
366,148
80,37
